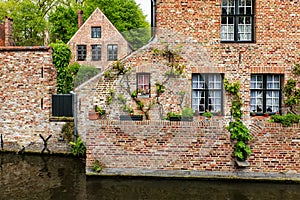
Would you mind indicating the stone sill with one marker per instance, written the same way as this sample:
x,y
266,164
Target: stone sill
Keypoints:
x,y
61,119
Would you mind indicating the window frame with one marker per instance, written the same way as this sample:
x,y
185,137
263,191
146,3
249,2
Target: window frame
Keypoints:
x,y
96,32
147,94
81,52
236,17
264,90
96,52
112,56
206,91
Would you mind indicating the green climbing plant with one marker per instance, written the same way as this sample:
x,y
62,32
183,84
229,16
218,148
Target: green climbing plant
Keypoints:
x,y
238,130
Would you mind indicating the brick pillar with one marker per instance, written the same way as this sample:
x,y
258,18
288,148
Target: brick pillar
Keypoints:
x,y
80,12
9,38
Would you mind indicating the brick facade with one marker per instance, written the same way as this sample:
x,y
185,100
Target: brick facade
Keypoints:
x,y
109,35
28,79
6,32
192,146
192,28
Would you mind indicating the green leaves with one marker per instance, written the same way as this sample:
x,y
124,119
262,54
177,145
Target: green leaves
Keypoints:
x,y
237,129
78,148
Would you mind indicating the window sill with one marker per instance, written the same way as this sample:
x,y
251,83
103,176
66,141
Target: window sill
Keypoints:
x,y
143,96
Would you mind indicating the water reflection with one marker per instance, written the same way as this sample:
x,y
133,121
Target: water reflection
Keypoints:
x,y
55,177
126,188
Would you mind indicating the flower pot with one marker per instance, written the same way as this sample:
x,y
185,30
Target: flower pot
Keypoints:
x,y
175,118
93,115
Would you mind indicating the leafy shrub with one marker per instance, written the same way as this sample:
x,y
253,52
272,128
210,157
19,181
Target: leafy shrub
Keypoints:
x,y
207,114
285,120
97,167
78,148
172,114
187,113
68,131
85,73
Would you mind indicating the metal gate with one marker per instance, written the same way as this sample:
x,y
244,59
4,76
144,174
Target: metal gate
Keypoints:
x,y
62,105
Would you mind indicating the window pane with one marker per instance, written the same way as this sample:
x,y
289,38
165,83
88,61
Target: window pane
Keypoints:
x,y
256,101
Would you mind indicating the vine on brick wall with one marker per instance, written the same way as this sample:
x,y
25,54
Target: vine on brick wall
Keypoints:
x,y
292,92
238,130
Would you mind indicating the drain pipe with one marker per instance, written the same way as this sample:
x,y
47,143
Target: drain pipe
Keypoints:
x,y
74,108
1,141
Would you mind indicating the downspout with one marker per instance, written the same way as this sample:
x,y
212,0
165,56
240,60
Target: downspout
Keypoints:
x,y
153,19
74,108
1,141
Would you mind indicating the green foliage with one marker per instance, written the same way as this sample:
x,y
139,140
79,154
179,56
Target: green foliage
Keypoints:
x,y
121,98
232,88
68,131
127,109
126,16
85,73
61,58
120,68
63,23
134,94
292,94
285,120
187,113
97,167
238,130
207,114
99,110
78,148
160,88
172,114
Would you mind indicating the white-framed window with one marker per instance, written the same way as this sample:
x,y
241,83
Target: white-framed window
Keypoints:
x,y
143,84
237,21
207,93
112,52
266,93
81,52
96,52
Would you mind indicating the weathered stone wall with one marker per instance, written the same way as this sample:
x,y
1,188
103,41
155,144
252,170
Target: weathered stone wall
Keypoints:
x,y
27,82
168,148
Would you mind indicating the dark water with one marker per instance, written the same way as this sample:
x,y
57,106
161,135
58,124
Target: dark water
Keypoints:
x,y
56,177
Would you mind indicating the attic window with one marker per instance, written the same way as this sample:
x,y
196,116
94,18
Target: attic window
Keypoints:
x,y
96,32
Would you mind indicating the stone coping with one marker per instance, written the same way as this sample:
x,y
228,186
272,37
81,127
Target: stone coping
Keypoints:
x,y
25,48
238,175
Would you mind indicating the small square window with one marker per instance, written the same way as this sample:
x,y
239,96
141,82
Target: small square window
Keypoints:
x,y
96,32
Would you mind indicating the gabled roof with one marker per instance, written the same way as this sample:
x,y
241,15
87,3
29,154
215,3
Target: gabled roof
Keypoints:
x,y
96,13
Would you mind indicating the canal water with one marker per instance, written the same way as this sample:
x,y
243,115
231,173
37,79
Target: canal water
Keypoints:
x,y
59,177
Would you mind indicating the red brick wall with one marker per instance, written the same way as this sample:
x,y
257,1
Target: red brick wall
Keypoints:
x,y
198,145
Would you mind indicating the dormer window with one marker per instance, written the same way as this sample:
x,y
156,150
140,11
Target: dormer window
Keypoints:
x,y
96,32
237,21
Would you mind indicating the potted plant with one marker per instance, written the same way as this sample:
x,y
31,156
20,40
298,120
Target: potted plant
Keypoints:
x,y
173,116
94,114
187,114
207,114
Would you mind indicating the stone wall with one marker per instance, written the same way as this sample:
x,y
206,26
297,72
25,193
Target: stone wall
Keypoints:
x,y
27,82
198,148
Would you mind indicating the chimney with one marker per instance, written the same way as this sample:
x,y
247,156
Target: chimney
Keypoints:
x,y
80,12
9,38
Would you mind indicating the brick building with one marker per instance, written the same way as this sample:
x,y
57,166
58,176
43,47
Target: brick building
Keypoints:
x,y
97,42
254,42
27,82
